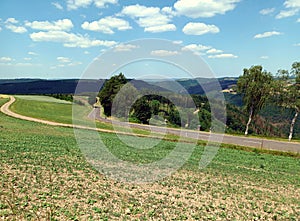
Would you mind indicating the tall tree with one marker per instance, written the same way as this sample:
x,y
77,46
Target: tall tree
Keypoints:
x,y
109,91
287,92
255,86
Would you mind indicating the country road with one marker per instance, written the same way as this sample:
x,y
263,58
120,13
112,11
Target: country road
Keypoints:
x,y
213,137
224,138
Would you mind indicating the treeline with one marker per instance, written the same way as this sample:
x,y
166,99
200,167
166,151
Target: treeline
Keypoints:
x,y
122,100
66,97
262,93
259,87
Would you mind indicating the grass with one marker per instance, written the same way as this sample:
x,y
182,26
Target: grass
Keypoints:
x,y
44,176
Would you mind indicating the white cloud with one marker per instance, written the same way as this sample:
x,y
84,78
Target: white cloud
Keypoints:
x,y
264,57
16,29
75,63
106,25
297,45
69,39
26,64
193,28
57,5
204,8
12,21
223,56
27,59
214,51
267,34
292,8
63,59
164,53
267,11
10,24
178,42
161,28
102,3
75,4
125,47
199,49
32,53
287,13
5,59
298,20
59,25
86,52
152,19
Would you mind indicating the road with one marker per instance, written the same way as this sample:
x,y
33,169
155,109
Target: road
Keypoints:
x,y
213,137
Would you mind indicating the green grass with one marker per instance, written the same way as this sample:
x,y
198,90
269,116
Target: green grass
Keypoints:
x,y
44,176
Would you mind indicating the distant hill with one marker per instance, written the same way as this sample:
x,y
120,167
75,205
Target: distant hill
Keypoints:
x,y
64,86
196,86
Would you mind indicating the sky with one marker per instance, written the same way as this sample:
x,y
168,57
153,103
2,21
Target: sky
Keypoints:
x,y
54,39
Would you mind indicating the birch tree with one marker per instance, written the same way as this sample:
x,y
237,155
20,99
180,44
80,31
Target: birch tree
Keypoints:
x,y
254,86
287,92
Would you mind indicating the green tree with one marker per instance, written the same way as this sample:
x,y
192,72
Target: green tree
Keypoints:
x,y
254,86
110,90
287,92
142,110
124,100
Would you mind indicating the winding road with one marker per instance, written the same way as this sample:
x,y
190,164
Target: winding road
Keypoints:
x,y
213,137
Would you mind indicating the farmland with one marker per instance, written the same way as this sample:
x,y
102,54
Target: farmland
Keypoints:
x,y
45,176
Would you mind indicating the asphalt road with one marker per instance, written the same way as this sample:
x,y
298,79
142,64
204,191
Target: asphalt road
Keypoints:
x,y
213,137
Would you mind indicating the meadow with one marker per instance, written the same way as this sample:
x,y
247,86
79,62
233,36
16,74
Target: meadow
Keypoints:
x,y
44,176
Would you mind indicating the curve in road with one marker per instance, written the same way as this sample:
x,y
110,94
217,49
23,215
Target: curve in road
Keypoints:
x,y
220,138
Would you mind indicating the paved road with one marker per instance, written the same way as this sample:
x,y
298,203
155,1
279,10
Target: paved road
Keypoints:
x,y
220,138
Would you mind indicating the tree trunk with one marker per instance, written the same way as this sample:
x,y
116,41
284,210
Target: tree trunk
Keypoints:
x,y
249,121
293,124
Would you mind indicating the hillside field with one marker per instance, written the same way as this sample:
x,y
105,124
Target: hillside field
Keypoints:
x,y
44,176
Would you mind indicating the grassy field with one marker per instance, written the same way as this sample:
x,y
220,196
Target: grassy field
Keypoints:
x,y
45,177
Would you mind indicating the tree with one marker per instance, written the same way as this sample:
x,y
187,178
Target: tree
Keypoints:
x,y
254,86
287,92
109,91
124,100
142,110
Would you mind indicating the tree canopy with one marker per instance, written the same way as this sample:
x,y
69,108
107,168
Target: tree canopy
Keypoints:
x,y
254,86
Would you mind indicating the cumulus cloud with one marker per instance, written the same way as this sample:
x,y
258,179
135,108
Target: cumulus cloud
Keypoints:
x,y
292,7
264,57
193,28
267,11
69,39
267,34
213,51
59,25
204,8
75,4
57,5
16,29
5,59
125,47
32,53
12,21
107,25
10,24
63,59
164,53
223,56
152,19
198,49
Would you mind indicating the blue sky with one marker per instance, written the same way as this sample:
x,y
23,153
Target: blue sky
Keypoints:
x,y
59,39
